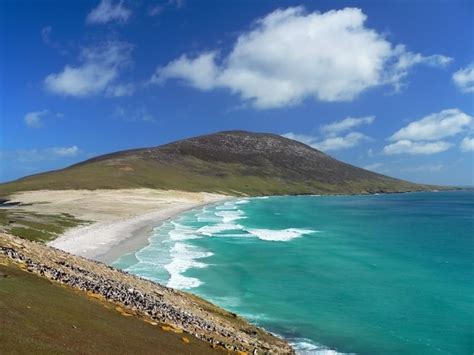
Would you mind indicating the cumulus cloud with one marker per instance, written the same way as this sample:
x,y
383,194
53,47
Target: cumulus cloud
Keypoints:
x,y
467,144
406,146
435,126
464,78
98,72
34,155
291,55
107,11
34,119
346,124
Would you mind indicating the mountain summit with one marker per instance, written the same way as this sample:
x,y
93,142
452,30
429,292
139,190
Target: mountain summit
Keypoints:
x,y
234,162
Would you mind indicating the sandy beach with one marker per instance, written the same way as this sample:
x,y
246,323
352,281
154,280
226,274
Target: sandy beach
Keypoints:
x,y
120,220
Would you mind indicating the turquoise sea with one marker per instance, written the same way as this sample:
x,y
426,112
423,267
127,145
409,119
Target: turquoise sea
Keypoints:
x,y
380,274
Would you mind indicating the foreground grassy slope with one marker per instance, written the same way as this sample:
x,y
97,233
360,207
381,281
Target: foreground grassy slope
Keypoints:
x,y
37,316
228,162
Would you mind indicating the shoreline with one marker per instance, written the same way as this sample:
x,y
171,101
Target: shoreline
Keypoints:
x,y
116,222
138,237
121,236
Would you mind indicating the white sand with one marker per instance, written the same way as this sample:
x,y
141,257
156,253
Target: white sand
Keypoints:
x,y
122,219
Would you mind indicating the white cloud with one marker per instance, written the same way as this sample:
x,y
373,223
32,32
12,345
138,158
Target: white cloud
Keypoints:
x,y
98,72
200,72
330,139
107,11
34,155
290,55
435,126
350,140
405,60
34,119
64,151
157,9
464,78
346,124
467,144
406,146
306,139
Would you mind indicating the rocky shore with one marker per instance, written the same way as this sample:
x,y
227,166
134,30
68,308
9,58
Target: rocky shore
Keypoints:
x,y
142,298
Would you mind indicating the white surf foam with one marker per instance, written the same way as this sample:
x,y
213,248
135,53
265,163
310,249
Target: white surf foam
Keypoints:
x,y
283,235
181,232
185,257
307,347
229,205
218,228
242,202
230,215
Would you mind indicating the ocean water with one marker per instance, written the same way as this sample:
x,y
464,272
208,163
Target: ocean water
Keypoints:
x,y
381,274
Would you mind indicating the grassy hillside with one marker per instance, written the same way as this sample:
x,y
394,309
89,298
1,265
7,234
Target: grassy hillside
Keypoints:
x,y
228,162
37,316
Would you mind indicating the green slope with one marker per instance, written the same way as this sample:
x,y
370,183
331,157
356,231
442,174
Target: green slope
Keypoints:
x,y
39,317
234,162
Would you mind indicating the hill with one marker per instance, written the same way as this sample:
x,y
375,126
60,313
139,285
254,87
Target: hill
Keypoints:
x,y
233,162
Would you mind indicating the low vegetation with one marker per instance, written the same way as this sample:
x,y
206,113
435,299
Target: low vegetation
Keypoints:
x,y
35,227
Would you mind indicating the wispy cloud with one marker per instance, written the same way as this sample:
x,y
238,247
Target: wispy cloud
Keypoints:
x,y
330,141
435,126
350,140
46,36
346,124
35,155
34,119
291,55
415,148
108,11
467,144
98,72
464,79
427,135
134,115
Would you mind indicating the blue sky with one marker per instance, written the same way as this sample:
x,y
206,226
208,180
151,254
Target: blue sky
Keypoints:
x,y
382,85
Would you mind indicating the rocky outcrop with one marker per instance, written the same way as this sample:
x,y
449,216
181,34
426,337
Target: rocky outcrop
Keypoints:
x,y
143,298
